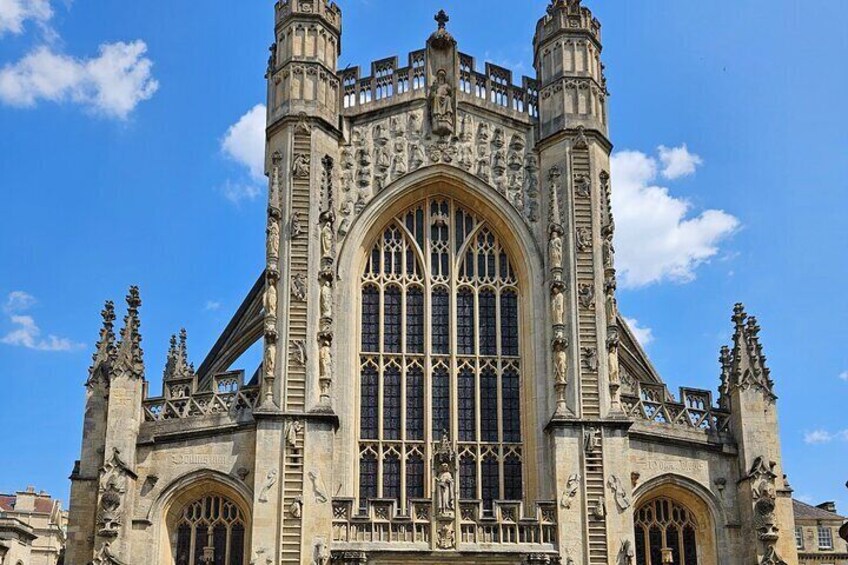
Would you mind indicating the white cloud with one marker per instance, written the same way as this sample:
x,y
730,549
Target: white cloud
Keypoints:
x,y
644,336
657,238
678,162
27,333
844,376
18,301
14,13
212,306
819,437
237,192
244,142
112,83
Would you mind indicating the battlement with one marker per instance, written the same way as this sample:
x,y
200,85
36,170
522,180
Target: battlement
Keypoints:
x,y
388,80
285,9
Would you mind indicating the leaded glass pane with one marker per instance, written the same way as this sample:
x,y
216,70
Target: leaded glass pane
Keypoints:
x,y
392,320
391,477
489,406
490,482
690,546
511,407
488,323
370,319
513,489
441,402
368,410
465,322
367,478
509,323
391,403
415,320
414,477
466,394
415,404
441,321
467,478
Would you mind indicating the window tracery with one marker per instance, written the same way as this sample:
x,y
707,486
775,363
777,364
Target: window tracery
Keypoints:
x,y
439,355
210,531
666,532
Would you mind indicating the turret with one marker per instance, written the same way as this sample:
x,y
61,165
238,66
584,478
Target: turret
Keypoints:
x,y
764,493
304,57
568,63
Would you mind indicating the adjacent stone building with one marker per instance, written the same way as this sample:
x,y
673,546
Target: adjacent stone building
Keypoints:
x,y
446,375
817,534
32,528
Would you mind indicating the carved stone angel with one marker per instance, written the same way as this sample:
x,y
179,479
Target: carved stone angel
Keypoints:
x,y
300,166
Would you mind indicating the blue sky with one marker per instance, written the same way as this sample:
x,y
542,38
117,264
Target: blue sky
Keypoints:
x,y
127,141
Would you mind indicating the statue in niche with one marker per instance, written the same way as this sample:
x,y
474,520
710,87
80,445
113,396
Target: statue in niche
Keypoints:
x,y
271,299
499,163
300,166
383,164
327,300
558,303
555,247
397,127
498,139
561,364
327,235
325,360
347,158
414,124
398,165
609,248
273,233
270,362
483,132
466,157
416,156
441,105
445,502
380,137
484,168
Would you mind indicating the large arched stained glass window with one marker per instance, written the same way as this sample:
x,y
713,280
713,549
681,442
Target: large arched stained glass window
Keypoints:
x,y
439,354
210,531
666,533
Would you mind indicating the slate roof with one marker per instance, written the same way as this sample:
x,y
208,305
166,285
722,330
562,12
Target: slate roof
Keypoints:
x,y
805,511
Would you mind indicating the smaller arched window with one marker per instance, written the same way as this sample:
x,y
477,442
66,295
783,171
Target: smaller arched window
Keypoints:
x,y
210,530
666,532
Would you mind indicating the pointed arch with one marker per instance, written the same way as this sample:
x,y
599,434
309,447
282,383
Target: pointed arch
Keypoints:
x,y
526,257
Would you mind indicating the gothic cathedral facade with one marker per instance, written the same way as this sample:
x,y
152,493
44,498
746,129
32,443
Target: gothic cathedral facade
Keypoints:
x,y
446,377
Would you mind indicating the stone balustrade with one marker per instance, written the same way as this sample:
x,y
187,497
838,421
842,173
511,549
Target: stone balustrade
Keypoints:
x,y
695,410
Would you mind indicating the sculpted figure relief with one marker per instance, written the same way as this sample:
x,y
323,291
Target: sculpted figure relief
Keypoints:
x,y
300,166
441,105
555,248
327,300
558,304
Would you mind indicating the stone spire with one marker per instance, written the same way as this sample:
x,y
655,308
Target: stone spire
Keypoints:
x,y
104,355
747,364
130,356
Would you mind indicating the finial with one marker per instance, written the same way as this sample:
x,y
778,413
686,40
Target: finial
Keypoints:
x,y
130,358
442,19
725,358
105,352
739,315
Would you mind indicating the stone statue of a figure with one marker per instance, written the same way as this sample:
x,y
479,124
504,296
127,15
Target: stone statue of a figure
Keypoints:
x,y
441,105
445,483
